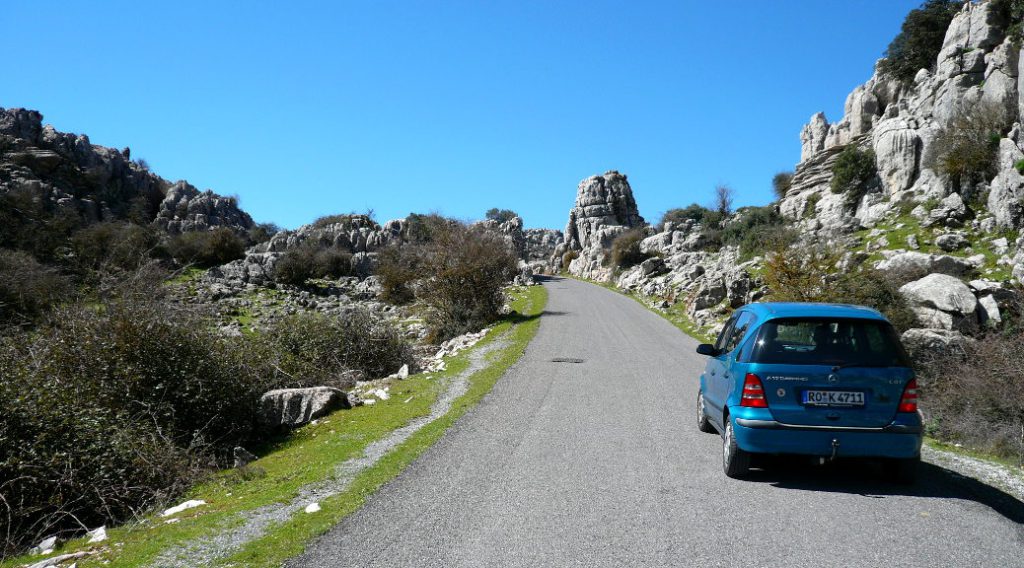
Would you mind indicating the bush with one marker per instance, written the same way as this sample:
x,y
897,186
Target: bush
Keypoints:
x,y
813,276
568,257
112,410
756,230
27,288
314,350
262,232
113,246
853,172
500,215
974,397
967,149
32,224
398,267
300,264
625,251
207,248
694,212
920,40
781,183
1011,12
427,228
463,278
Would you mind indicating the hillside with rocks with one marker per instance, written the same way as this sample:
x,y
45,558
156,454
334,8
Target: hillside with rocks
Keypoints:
x,y
949,239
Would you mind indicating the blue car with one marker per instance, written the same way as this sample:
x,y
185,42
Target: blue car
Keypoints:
x,y
820,380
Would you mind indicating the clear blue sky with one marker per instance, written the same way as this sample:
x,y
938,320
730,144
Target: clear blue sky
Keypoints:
x,y
304,109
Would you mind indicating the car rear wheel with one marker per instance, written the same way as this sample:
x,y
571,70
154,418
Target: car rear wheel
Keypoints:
x,y
703,424
735,461
903,471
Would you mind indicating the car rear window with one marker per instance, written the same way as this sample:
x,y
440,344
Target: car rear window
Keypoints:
x,y
829,341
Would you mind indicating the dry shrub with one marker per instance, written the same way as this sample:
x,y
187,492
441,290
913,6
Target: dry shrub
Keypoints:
x,y
796,275
298,265
459,274
568,257
27,288
625,251
975,397
207,248
113,246
315,350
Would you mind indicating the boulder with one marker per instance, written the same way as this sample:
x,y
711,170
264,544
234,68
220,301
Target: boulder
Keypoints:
x,y
950,242
941,301
912,263
291,408
928,344
950,212
653,266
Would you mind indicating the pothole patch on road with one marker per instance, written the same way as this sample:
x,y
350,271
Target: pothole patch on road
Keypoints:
x,y
566,360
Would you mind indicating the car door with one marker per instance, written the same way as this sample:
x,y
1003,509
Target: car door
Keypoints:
x,y
714,373
723,379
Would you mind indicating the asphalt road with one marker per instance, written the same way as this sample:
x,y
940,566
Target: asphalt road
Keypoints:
x,y
600,463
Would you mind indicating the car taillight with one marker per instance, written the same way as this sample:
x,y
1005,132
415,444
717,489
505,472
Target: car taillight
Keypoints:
x,y
908,402
753,392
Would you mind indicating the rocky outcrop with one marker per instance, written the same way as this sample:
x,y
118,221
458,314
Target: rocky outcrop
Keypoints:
x,y
943,302
604,209
185,209
291,408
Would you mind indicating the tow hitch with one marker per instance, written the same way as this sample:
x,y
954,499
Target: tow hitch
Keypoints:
x,y
835,452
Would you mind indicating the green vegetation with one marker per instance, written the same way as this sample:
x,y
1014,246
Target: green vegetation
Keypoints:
x,y
812,276
756,230
207,248
312,454
811,205
967,149
28,289
920,40
457,272
303,263
500,215
693,212
853,173
781,183
1011,12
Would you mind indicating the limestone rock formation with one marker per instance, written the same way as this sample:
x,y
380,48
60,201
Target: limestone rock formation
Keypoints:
x,y
944,302
605,208
185,209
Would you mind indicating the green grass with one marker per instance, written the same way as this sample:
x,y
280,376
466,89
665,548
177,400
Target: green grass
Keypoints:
x,y
311,454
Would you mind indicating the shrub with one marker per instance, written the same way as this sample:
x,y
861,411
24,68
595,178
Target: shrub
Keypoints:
x,y
300,264
327,220
427,228
463,277
974,397
113,246
34,225
500,215
967,148
853,172
207,248
112,410
813,276
625,251
568,257
723,200
398,267
920,39
314,350
1011,12
756,230
693,212
781,183
27,288
1019,166
262,232
811,205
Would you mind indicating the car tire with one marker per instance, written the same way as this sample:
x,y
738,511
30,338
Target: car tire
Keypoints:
x,y
703,424
735,461
903,471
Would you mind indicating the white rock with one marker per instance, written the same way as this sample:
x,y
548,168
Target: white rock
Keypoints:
x,y
403,373
97,535
46,546
190,504
312,507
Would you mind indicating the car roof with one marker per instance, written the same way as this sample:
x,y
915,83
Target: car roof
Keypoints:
x,y
773,310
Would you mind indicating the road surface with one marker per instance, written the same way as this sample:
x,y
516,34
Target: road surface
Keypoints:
x,y
600,463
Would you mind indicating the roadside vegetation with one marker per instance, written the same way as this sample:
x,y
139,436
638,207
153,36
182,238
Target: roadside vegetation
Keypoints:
x,y
311,455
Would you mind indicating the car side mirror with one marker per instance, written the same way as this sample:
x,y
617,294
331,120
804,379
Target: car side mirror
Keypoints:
x,y
707,349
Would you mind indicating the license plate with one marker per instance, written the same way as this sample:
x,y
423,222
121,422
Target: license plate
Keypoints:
x,y
833,398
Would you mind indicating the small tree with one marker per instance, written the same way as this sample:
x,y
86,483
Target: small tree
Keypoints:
x,y
723,200
500,215
920,39
781,183
967,148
